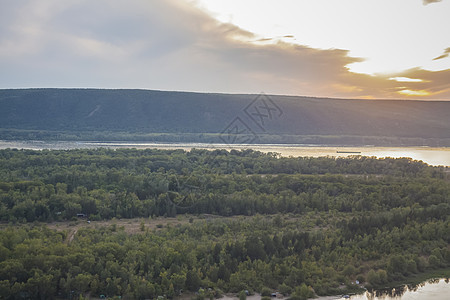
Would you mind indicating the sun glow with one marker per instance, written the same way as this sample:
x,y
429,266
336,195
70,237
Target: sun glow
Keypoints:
x,y
387,48
414,93
406,79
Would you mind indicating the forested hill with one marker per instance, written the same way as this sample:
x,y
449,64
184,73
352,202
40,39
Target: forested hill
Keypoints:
x,y
199,117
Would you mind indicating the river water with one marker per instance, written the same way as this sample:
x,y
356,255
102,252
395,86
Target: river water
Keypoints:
x,y
432,156
436,289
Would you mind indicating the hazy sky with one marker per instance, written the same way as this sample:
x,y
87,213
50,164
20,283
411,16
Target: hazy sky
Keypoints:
x,y
332,48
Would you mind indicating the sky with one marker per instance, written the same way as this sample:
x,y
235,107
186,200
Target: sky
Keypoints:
x,y
323,48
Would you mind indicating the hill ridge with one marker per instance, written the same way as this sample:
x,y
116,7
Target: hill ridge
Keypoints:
x,y
124,114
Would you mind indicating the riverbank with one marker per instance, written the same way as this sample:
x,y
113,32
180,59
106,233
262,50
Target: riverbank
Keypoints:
x,y
418,278
412,281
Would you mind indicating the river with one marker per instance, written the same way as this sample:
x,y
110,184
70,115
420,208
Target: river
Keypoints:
x,y
432,156
435,289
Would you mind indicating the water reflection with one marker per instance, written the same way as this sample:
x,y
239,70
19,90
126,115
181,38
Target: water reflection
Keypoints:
x,y
433,289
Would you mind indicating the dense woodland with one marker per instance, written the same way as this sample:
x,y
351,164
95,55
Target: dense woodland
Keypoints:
x,y
142,115
258,222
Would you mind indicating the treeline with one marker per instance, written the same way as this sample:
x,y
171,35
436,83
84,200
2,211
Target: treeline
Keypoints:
x,y
102,184
218,138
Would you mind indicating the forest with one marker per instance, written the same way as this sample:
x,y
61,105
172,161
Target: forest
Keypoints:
x,y
258,222
142,115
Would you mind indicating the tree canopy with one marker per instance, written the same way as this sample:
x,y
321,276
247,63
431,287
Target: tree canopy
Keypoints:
x,y
257,222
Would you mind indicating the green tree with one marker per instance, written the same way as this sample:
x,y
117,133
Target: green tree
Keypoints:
x,y
242,295
193,281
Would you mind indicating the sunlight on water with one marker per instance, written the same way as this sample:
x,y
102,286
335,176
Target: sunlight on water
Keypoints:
x,y
439,290
432,156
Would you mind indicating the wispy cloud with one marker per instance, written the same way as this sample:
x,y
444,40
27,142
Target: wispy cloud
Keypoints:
x,y
426,2
171,45
446,54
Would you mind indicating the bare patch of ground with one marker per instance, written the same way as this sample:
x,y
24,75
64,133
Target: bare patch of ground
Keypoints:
x,y
130,226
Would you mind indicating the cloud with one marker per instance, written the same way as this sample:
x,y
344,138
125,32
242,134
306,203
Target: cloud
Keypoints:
x,y
151,44
265,40
426,2
173,45
424,84
435,82
446,54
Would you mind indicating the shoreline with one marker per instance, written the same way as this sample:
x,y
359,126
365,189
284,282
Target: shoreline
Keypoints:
x,y
418,279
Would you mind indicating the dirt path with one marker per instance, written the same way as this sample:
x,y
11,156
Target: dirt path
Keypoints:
x,y
72,235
